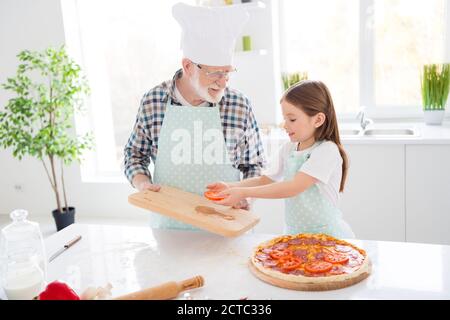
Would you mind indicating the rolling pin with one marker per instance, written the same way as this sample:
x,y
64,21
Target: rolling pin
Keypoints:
x,y
168,290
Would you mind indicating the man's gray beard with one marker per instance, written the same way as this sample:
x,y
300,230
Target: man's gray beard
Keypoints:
x,y
203,91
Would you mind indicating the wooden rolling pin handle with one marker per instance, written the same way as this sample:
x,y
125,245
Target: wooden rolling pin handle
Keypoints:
x,y
168,290
192,283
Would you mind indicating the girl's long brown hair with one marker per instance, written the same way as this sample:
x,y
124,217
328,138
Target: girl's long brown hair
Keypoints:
x,y
313,97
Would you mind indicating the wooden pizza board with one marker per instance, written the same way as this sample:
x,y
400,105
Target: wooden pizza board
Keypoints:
x,y
307,286
195,210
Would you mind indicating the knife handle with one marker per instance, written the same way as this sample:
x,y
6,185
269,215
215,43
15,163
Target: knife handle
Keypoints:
x,y
72,242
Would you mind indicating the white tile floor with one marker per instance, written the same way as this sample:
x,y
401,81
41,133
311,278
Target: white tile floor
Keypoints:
x,y
48,227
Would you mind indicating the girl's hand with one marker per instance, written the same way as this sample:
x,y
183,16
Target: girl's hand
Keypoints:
x,y
243,204
233,196
217,186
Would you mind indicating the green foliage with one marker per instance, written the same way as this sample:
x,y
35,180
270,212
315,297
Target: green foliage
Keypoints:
x,y
47,89
435,85
290,79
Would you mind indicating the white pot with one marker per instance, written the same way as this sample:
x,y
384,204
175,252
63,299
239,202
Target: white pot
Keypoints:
x,y
434,117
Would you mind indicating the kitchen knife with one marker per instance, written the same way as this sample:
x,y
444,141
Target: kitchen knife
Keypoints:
x,y
66,246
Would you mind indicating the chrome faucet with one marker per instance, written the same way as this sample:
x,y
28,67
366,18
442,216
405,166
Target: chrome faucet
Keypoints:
x,y
364,122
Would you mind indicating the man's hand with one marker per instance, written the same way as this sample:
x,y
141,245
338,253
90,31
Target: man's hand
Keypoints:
x,y
142,182
146,185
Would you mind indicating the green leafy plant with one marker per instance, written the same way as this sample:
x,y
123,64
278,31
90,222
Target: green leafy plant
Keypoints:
x,y
435,85
47,89
290,79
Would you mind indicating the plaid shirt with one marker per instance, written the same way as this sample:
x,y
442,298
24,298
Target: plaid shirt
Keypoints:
x,y
239,125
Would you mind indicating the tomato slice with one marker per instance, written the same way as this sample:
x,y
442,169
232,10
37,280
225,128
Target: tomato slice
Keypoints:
x,y
280,253
212,195
336,257
289,263
318,266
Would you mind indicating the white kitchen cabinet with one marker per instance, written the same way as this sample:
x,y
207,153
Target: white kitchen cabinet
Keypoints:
x,y
428,193
373,199
271,212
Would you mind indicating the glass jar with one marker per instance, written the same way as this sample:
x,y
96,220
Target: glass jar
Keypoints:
x,y
23,265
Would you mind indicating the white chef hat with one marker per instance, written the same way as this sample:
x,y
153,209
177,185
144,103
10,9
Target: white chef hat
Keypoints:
x,y
209,33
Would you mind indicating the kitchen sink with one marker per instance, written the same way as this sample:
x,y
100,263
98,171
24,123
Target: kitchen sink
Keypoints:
x,y
389,132
379,132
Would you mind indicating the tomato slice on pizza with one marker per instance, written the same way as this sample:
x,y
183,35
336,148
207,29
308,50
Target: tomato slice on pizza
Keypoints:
x,y
289,263
336,257
318,266
280,253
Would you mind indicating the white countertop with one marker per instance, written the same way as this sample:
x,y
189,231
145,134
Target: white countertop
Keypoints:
x,y
131,258
425,134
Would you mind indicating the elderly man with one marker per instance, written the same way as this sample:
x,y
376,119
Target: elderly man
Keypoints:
x,y
194,128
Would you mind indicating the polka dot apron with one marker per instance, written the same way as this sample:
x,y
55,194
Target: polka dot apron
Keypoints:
x,y
191,154
310,211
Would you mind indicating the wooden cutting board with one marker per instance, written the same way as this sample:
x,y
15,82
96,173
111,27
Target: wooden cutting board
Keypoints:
x,y
195,210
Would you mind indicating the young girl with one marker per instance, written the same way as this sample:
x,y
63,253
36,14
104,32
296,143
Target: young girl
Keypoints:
x,y
312,168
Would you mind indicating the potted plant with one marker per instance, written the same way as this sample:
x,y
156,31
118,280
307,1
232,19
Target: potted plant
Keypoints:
x,y
290,79
435,85
47,89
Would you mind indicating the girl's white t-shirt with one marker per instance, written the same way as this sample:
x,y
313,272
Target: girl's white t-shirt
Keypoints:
x,y
324,164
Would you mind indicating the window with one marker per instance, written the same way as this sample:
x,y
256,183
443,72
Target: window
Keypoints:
x,y
368,52
125,48
323,44
407,34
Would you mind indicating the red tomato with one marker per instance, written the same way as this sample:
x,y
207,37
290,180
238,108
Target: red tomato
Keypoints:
x,y
336,257
212,195
280,253
58,291
289,263
318,266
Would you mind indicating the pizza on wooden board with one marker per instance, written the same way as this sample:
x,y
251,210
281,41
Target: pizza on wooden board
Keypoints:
x,y
310,262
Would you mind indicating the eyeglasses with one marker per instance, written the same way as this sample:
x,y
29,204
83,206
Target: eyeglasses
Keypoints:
x,y
217,74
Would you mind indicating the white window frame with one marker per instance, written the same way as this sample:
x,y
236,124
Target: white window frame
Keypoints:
x,y
366,70
98,164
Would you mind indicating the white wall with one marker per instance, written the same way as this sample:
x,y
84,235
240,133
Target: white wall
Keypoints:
x,y
35,25
259,75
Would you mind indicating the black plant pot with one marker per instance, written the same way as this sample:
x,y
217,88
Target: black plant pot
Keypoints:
x,y
64,219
